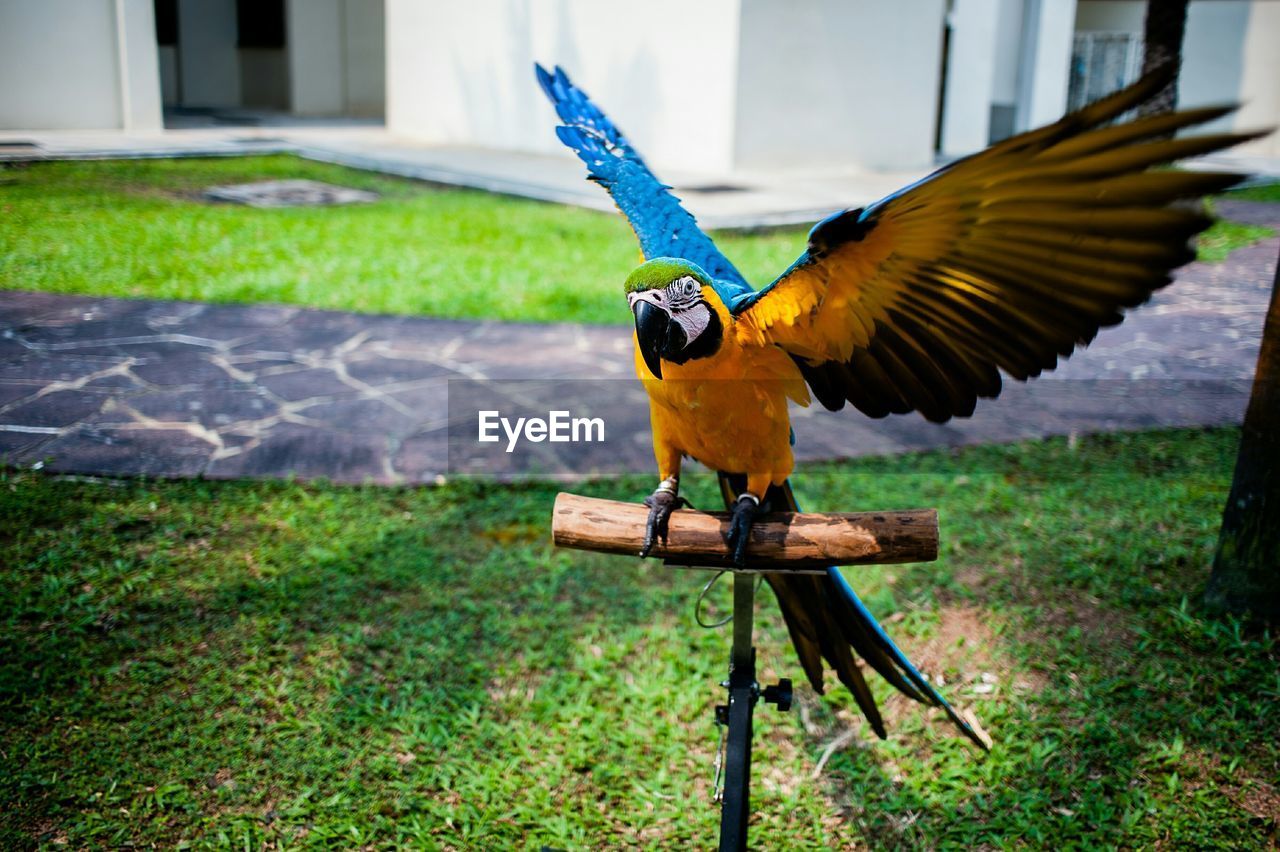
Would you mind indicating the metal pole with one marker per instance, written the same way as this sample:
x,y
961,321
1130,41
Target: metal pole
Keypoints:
x,y
743,692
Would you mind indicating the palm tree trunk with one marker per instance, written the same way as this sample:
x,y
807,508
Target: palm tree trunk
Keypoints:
x,y
1163,29
1246,568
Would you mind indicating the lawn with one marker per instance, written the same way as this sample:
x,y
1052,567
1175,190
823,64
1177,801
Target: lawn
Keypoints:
x,y
246,663
139,229
1225,236
284,664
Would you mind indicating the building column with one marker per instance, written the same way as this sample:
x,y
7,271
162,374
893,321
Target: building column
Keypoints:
x,y
1048,29
139,65
210,66
1260,80
317,67
365,58
971,66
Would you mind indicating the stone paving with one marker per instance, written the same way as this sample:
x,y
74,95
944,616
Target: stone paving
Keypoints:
x,y
288,193
172,389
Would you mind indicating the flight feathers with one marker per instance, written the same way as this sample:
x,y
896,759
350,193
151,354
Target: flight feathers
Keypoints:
x,y
1003,262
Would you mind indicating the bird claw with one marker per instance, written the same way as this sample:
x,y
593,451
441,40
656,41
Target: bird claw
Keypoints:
x,y
744,515
661,504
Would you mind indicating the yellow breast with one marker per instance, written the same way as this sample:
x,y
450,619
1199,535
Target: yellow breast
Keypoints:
x,y
728,410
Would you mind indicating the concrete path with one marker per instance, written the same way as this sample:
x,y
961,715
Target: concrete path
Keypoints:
x,y
742,200
172,389
747,199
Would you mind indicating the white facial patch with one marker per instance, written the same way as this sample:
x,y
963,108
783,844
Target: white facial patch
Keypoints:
x,y
683,292
657,298
693,320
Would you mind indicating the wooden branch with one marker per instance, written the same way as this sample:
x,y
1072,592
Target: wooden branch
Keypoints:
x,y
781,541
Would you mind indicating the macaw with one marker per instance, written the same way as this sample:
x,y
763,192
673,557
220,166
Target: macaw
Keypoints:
x,y
1004,261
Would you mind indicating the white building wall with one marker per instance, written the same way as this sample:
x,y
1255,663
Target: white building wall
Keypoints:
x,y
138,65
844,83
670,86
762,84
78,64
1008,49
1213,56
971,73
1005,75
664,70
337,62
1048,30
58,64
463,74
1260,79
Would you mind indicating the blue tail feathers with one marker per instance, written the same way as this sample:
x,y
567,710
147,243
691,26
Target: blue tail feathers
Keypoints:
x,y
827,619
931,695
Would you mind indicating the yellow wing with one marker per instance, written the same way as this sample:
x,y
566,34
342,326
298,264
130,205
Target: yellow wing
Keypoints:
x,y
1006,260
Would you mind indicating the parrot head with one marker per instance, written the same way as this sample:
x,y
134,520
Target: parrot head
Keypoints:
x,y
675,320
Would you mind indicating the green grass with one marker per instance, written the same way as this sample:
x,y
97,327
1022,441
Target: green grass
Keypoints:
x,y
240,664
138,228
1265,192
1225,236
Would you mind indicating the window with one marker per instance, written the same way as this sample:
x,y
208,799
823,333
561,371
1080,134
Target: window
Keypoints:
x,y
1102,63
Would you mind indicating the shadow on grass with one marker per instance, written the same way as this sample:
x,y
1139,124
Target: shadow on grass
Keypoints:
x,y
1122,715
274,663
279,663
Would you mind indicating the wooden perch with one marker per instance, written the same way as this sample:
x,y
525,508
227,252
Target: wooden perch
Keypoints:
x,y
782,541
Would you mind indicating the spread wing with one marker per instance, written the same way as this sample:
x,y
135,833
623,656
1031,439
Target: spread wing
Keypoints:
x,y
664,228
1004,261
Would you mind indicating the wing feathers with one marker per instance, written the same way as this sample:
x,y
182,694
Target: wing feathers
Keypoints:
x,y
663,227
1007,260
1130,249
1105,163
1145,188
1121,134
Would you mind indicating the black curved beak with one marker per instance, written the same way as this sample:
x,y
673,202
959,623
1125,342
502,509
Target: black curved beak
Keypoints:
x,y
651,333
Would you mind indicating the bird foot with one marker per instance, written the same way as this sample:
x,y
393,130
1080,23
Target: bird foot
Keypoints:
x,y
662,502
745,512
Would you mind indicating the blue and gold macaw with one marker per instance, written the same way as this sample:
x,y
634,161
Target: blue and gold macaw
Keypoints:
x,y
1004,261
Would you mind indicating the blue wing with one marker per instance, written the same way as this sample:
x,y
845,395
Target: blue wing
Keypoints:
x,y
664,228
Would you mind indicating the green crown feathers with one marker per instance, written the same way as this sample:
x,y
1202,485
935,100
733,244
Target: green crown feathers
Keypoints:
x,y
661,271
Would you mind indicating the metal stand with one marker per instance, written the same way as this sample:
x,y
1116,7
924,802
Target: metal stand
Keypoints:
x,y
743,694
784,543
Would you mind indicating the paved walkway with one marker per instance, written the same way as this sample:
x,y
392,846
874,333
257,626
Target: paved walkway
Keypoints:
x,y
741,200
113,386
745,199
